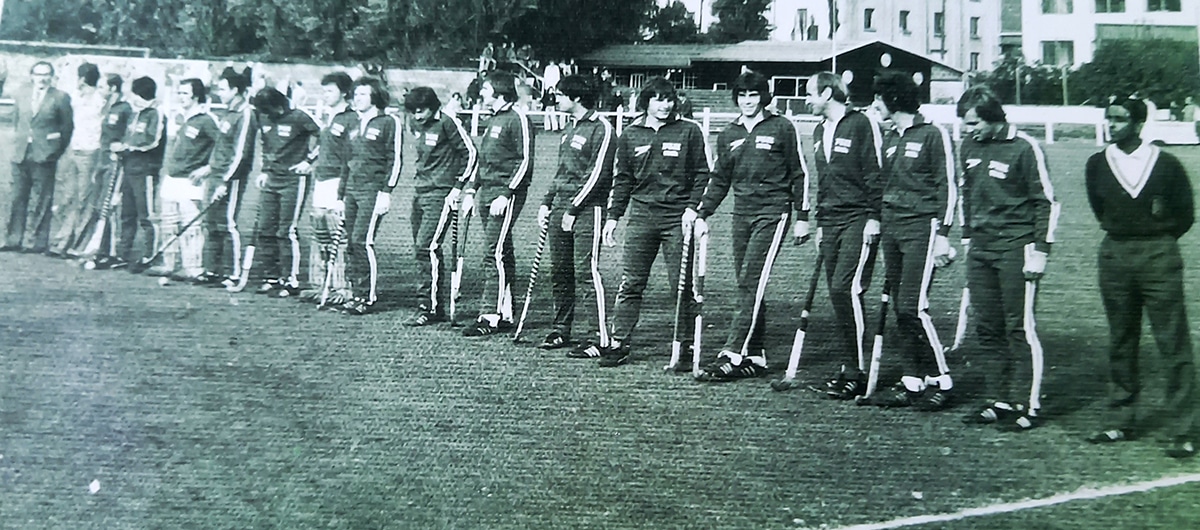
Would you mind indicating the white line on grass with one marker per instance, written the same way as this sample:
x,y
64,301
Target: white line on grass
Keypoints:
x,y
1080,494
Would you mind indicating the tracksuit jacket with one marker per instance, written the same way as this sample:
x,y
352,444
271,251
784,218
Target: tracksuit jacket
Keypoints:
x,y
193,145
446,155
145,139
375,158
764,167
334,146
505,156
233,153
585,163
115,124
650,172
285,142
1007,198
849,182
928,188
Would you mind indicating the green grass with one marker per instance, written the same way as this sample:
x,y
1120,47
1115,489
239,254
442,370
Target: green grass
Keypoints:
x,y
197,409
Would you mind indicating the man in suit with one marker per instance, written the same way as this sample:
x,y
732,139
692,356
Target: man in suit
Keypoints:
x,y
44,124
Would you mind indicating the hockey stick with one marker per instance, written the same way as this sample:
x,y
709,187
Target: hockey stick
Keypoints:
x,y
877,345
331,256
960,330
247,263
182,230
789,377
533,274
699,270
114,187
685,258
456,275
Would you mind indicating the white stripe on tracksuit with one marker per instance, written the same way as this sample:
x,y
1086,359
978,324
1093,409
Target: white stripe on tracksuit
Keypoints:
x,y
435,264
931,334
856,302
503,288
369,245
597,279
235,237
293,232
1035,347
764,276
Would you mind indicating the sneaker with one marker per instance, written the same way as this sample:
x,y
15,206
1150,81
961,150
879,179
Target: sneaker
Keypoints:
x,y
724,370
587,350
554,341
846,386
110,262
1020,423
357,307
286,291
895,397
993,413
208,279
160,271
1110,436
933,400
613,357
483,328
1182,448
425,318
137,267
267,287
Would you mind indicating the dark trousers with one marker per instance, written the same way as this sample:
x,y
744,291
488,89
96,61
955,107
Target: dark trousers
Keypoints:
x,y
849,264
32,179
139,194
756,243
1002,305
646,234
276,236
362,267
908,255
500,263
1147,275
430,220
223,242
578,289
109,192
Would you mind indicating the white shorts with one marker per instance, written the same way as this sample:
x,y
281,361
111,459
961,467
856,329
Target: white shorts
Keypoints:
x,y
325,193
180,189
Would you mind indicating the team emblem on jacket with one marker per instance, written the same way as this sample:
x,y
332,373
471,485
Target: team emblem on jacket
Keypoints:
x,y
191,132
372,133
890,151
842,145
431,139
998,170
112,119
577,142
224,126
641,150
285,131
972,162
266,129
495,131
764,142
337,129
671,149
736,144
912,149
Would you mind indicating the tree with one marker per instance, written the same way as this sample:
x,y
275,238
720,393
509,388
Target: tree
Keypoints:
x,y
1120,68
673,24
739,20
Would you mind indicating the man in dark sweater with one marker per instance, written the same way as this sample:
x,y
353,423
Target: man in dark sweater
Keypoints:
x,y
759,159
1143,200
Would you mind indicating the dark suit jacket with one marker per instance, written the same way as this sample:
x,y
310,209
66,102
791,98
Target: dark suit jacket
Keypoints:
x,y
43,134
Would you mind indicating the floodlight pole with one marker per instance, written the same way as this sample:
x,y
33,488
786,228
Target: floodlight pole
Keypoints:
x,y
833,27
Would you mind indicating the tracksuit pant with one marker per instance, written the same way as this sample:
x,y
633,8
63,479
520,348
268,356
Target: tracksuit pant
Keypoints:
x,y
362,266
430,223
757,240
76,190
575,281
849,264
31,179
276,236
647,233
1147,275
109,193
223,242
139,211
1002,304
908,254
500,263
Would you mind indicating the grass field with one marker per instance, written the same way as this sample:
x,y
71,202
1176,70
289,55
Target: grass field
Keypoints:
x,y
193,408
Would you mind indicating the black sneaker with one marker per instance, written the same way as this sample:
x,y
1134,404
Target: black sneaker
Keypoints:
x,y
286,291
613,357
1110,436
997,412
1182,448
357,307
1020,423
847,386
425,318
267,287
587,350
483,328
724,370
897,396
554,341
208,279
933,400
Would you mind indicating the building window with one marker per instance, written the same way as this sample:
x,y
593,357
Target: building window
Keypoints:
x,y
974,27
1058,53
868,19
974,61
1059,7
904,21
1111,6
939,24
1164,5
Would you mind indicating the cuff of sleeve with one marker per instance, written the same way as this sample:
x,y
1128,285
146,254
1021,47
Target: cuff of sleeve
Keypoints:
x,y
506,193
1041,246
944,231
802,215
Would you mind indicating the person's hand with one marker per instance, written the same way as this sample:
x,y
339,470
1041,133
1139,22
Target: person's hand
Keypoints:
x,y
467,204
871,231
198,174
303,168
452,199
699,227
383,201
568,222
800,233
943,253
543,218
610,233
1035,263
220,192
261,180
689,217
498,206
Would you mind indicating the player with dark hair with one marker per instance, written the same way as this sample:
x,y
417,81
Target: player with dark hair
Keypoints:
x,y
662,165
1143,199
77,189
848,155
501,185
919,197
142,158
337,121
288,138
228,167
759,159
572,212
113,126
374,170
1009,217
446,159
182,189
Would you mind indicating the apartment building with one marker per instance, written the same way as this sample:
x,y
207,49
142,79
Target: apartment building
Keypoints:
x,y
1067,32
